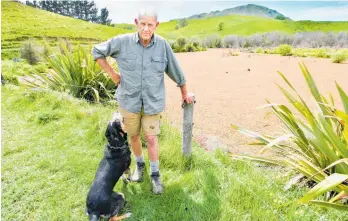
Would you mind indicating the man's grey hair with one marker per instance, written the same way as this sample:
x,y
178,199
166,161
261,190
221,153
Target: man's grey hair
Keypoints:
x,y
149,11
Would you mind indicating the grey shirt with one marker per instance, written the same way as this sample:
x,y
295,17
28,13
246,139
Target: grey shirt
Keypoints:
x,y
142,71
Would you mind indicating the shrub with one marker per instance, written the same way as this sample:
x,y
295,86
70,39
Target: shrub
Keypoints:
x,y
47,51
221,26
284,50
176,47
212,41
183,23
76,73
322,53
171,43
313,144
259,50
190,48
30,52
181,41
280,17
338,57
195,44
231,41
65,46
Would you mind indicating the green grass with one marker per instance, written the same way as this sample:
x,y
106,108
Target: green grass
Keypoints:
x,y
306,52
52,144
20,22
340,56
245,26
11,70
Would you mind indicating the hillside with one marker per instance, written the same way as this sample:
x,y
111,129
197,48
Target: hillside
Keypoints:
x,y
245,25
20,22
249,9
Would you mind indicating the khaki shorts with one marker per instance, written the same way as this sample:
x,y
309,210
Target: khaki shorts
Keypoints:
x,y
133,122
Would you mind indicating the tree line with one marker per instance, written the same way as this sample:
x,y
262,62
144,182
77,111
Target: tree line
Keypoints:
x,y
84,10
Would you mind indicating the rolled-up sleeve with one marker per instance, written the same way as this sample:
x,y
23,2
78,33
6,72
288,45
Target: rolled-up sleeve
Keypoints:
x,y
110,47
173,69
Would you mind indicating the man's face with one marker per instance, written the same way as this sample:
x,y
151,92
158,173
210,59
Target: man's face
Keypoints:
x,y
146,26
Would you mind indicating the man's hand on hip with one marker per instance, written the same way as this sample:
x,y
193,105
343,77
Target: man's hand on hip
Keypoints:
x,y
115,77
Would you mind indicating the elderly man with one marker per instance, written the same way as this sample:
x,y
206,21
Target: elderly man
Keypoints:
x,y
142,58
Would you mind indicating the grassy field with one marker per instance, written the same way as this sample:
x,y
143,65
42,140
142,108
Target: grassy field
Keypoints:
x,y
52,144
245,26
20,22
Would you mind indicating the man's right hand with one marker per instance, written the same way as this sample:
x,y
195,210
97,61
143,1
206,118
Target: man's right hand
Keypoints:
x,y
115,77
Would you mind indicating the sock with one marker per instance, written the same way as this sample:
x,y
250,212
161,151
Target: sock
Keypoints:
x,y
154,166
139,159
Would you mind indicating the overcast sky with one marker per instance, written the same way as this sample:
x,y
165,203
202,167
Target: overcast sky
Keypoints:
x,y
126,11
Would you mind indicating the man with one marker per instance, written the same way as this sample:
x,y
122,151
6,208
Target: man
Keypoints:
x,y
142,58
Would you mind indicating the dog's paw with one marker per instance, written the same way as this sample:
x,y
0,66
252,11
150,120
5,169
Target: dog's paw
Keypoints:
x,y
126,175
125,179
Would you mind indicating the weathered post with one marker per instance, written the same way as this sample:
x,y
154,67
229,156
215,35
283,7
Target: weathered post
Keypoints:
x,y
187,126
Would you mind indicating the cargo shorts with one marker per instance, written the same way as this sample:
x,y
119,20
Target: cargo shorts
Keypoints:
x,y
134,122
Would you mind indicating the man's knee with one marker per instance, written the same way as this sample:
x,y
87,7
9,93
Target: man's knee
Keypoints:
x,y
151,140
135,138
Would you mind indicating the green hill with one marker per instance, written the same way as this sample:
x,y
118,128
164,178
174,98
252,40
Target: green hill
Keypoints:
x,y
245,25
249,9
20,22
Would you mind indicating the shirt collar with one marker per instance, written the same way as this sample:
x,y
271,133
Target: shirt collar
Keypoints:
x,y
137,39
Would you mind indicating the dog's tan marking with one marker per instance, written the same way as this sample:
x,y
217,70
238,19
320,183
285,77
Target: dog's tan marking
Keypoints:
x,y
116,218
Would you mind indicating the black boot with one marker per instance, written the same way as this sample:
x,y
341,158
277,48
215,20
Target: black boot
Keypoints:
x,y
138,174
157,186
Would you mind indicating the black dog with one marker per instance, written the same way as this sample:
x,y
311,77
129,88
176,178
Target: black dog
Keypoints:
x,y
101,200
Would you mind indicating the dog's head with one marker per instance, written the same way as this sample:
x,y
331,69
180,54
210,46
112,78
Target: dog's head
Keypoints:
x,y
115,133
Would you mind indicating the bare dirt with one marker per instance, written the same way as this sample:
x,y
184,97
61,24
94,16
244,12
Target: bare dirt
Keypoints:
x,y
228,90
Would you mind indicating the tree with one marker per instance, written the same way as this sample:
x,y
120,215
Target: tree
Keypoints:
x,y
183,23
221,26
85,10
280,17
103,18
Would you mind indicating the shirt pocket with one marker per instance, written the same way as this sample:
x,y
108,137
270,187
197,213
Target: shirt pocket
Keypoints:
x,y
127,61
158,64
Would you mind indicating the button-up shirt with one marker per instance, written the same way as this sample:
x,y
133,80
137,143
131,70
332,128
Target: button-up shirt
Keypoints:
x,y
142,71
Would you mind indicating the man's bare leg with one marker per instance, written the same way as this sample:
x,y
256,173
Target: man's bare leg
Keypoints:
x,y
153,150
138,174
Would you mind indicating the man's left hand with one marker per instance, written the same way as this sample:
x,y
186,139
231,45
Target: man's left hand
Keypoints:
x,y
187,98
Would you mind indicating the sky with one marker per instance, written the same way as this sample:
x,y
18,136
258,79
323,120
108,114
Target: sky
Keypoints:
x,y
126,11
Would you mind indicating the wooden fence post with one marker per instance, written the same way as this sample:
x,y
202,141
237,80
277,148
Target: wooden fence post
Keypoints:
x,y
187,127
